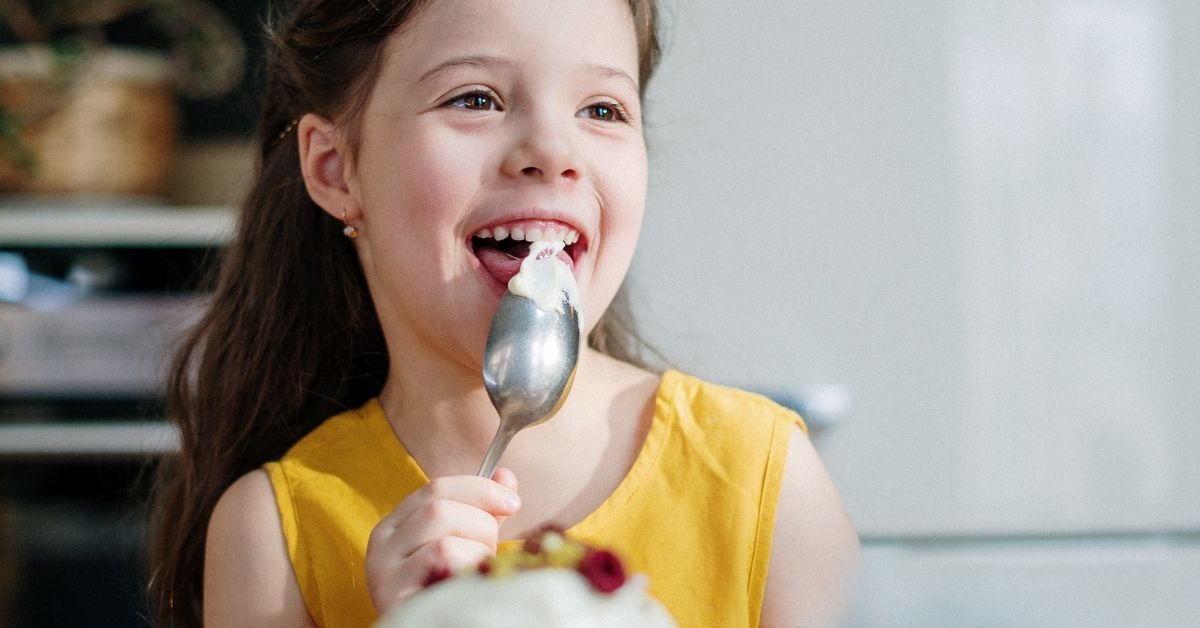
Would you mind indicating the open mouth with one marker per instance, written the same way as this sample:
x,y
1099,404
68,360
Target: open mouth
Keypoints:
x,y
501,248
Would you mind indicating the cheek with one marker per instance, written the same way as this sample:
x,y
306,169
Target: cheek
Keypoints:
x,y
621,229
627,204
442,163
420,194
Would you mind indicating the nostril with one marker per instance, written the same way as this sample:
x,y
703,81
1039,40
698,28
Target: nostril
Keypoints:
x,y
534,171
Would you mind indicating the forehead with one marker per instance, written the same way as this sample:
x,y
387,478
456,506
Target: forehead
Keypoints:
x,y
543,33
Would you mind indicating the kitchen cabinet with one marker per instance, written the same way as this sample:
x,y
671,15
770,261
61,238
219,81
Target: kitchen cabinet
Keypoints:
x,y
77,228
91,293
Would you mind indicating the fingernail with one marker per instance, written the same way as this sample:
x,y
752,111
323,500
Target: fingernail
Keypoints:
x,y
512,502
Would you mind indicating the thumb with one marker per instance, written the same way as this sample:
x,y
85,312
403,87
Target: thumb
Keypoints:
x,y
506,478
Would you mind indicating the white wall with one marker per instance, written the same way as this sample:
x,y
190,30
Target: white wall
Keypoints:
x,y
982,217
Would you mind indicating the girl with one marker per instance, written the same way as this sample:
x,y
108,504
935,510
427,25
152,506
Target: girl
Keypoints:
x,y
409,152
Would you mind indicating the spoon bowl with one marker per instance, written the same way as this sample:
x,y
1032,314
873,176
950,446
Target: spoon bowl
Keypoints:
x,y
528,367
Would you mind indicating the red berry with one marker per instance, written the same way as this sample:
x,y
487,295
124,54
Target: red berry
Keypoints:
x,y
603,569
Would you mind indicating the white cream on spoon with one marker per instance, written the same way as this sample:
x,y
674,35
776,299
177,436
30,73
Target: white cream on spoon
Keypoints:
x,y
547,280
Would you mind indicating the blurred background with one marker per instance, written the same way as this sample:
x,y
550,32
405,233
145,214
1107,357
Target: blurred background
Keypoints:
x,y
124,145
972,229
963,238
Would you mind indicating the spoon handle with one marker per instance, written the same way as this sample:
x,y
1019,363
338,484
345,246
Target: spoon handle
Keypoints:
x,y
495,450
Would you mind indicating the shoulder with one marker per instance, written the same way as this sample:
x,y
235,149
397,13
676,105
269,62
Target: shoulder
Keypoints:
x,y
815,551
248,577
710,405
348,446
344,429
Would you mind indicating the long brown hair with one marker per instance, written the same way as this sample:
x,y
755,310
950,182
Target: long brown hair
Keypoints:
x,y
264,366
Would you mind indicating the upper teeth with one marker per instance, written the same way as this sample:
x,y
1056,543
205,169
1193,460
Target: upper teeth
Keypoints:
x,y
533,234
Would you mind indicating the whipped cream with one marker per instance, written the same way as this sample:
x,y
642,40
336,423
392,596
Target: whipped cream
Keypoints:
x,y
542,597
547,280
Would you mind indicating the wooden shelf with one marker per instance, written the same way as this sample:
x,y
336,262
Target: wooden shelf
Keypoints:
x,y
97,224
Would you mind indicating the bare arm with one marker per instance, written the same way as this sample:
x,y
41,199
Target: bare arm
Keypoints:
x,y
248,578
815,553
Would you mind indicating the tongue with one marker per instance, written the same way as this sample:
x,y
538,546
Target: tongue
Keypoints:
x,y
498,264
503,266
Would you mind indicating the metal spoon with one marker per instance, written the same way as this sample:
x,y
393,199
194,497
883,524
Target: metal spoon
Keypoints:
x,y
528,367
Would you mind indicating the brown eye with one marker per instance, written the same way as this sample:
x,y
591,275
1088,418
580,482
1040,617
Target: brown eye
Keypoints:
x,y
475,101
605,112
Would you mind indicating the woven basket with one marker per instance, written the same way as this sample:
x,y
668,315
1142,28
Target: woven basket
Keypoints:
x,y
109,130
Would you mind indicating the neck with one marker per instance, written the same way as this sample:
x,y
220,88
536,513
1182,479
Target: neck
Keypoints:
x,y
440,410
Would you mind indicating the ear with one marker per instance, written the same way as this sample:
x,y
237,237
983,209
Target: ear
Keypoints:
x,y
325,164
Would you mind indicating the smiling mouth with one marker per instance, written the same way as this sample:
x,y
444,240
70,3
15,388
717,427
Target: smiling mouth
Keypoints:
x,y
501,249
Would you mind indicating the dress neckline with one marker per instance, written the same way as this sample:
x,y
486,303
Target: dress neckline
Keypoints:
x,y
647,458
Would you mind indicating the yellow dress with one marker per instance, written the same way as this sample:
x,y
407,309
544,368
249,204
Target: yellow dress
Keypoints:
x,y
695,513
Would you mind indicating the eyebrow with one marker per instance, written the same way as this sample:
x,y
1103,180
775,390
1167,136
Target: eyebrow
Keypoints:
x,y
478,61
609,72
453,63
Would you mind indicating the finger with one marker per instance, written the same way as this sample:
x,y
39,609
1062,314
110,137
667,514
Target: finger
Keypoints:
x,y
453,553
431,526
482,493
448,553
443,518
506,478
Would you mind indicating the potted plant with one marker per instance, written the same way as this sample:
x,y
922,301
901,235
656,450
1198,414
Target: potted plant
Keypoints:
x,y
87,89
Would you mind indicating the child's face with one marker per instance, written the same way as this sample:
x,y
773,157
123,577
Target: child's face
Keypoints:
x,y
513,113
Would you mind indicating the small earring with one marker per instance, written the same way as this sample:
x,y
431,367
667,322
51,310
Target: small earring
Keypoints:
x,y
349,231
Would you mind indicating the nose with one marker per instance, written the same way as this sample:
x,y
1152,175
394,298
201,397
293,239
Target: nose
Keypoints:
x,y
543,151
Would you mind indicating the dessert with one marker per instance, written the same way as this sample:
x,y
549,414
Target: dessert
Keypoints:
x,y
551,581
546,279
